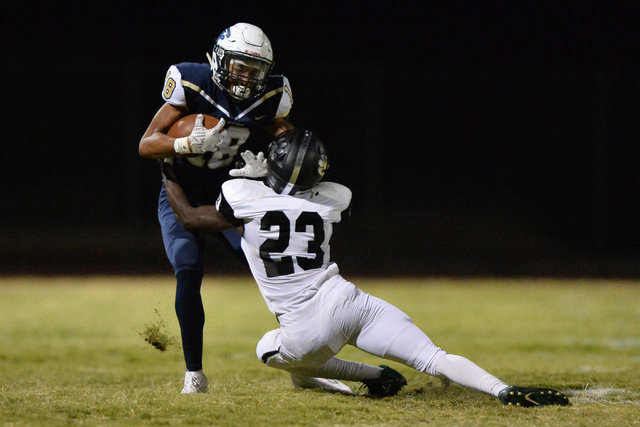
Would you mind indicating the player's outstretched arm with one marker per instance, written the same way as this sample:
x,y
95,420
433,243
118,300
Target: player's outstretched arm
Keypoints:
x,y
194,218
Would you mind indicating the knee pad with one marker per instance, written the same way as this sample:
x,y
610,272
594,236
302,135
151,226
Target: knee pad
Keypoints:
x,y
268,351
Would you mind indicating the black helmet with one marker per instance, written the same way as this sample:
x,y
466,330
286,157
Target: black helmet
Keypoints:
x,y
296,161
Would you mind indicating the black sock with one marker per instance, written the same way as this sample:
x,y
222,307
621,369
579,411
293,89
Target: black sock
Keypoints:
x,y
190,314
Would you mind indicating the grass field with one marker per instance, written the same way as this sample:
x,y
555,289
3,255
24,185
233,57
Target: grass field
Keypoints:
x,y
71,352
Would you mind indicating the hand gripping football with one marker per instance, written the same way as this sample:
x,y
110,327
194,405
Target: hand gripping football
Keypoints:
x,y
183,127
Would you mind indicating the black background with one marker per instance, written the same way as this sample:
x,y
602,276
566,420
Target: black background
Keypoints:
x,y
479,138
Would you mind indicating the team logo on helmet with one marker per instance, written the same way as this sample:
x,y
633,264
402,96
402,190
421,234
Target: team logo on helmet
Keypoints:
x,y
323,164
226,33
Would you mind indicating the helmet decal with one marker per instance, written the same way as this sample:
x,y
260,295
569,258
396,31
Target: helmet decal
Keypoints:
x,y
226,33
323,164
302,151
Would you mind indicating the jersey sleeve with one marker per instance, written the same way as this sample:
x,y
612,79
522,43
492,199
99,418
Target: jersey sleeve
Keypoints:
x,y
223,206
344,196
337,195
286,100
173,92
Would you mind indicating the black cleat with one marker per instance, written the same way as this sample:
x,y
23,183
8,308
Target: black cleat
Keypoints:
x,y
528,397
389,383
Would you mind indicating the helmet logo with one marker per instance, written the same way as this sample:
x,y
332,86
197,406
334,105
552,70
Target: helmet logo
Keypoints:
x,y
323,164
225,34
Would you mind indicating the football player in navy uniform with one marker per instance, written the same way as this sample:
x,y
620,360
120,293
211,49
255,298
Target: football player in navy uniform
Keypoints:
x,y
238,88
287,220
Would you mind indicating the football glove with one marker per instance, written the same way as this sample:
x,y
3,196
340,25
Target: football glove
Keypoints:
x,y
201,139
255,166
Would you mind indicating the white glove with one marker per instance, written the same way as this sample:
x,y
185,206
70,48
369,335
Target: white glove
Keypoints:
x,y
255,166
201,139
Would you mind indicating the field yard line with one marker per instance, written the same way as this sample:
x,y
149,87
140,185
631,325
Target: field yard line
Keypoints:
x,y
613,343
601,395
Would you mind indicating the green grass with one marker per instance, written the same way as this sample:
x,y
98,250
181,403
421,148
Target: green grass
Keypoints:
x,y
72,351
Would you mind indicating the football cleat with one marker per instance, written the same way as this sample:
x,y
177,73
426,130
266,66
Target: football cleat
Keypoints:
x,y
528,397
327,384
389,383
194,382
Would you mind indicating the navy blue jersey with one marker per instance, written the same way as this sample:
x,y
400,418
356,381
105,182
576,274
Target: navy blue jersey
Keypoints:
x,y
201,95
190,85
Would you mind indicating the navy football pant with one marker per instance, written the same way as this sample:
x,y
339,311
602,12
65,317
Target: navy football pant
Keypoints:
x,y
185,251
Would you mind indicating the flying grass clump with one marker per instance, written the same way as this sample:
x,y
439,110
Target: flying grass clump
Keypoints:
x,y
156,333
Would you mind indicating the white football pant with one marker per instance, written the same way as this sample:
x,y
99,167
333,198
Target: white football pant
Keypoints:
x,y
341,314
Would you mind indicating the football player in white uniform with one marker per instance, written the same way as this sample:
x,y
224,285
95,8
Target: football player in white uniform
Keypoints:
x,y
287,220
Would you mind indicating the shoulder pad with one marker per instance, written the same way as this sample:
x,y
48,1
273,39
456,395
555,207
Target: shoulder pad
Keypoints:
x,y
286,101
336,192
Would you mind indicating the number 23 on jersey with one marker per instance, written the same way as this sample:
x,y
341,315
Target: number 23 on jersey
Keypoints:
x,y
285,265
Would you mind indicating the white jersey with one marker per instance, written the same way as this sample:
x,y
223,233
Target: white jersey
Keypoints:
x,y
286,238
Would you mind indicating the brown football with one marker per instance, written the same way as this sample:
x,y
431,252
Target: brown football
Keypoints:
x,y
184,126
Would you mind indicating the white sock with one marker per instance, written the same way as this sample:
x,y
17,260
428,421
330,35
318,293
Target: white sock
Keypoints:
x,y
466,373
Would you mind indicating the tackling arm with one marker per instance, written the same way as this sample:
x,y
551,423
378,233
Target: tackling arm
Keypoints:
x,y
200,218
278,125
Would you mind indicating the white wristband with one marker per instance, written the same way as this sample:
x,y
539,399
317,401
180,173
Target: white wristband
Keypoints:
x,y
182,145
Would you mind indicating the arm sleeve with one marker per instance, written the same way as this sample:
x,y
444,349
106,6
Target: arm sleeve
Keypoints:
x,y
227,211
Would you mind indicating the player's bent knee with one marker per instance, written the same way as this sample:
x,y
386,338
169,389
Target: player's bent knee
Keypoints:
x,y
268,351
268,345
275,360
185,254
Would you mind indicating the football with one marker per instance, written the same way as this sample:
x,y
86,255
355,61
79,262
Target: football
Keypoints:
x,y
184,126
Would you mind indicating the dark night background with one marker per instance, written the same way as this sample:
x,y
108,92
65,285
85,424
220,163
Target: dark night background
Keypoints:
x,y
479,138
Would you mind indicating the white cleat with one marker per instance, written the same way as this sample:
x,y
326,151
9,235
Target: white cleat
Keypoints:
x,y
328,384
195,382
